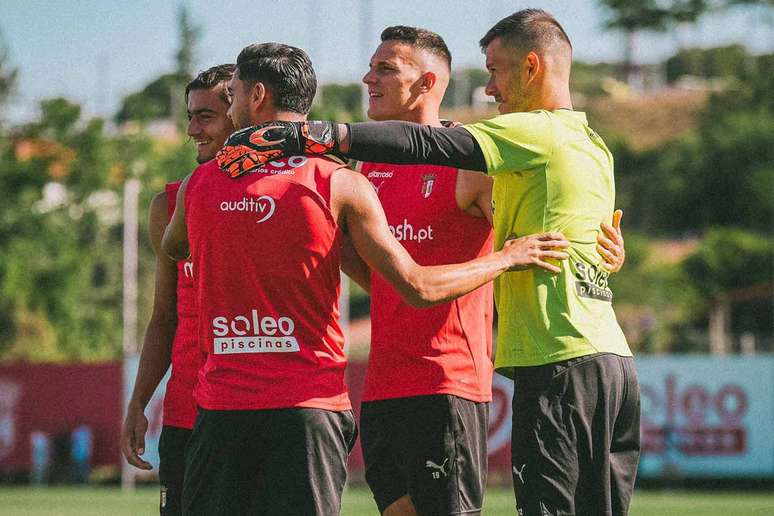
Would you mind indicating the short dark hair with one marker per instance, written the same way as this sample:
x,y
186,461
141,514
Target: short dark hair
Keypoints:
x,y
528,28
286,70
419,38
211,78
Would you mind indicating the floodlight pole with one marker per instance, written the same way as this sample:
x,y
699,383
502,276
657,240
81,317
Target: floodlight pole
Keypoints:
x,y
130,244
130,252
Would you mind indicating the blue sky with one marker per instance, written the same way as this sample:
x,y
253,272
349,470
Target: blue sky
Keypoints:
x,y
96,51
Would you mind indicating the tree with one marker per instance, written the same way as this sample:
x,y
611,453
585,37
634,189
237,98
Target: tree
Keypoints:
x,y
189,35
730,62
730,259
154,101
7,75
462,84
631,16
163,98
339,102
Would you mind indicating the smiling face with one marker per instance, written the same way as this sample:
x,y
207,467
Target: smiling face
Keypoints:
x,y
208,123
507,83
392,80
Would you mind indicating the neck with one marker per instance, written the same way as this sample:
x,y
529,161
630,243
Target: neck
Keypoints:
x,y
554,95
284,116
425,115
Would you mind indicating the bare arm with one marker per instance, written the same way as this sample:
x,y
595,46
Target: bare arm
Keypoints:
x,y
473,192
354,202
175,240
354,266
156,350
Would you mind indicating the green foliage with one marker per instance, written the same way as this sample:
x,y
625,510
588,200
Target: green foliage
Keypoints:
x,y
61,265
7,75
588,79
723,175
189,35
732,61
634,15
730,259
163,97
341,102
154,101
462,84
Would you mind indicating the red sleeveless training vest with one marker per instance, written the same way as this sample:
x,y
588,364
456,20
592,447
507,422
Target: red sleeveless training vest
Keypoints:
x,y
187,358
445,349
267,255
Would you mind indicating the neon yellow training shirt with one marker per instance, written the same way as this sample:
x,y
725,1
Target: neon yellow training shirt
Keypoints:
x,y
551,173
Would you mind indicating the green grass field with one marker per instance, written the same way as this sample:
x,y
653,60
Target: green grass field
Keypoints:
x,y
357,501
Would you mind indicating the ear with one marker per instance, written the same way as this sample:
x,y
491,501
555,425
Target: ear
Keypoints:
x,y
259,96
533,66
427,82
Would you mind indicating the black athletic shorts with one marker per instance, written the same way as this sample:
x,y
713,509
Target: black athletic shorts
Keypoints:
x,y
432,448
267,462
576,436
172,446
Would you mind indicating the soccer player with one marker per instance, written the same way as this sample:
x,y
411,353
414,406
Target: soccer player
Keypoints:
x,y
274,425
171,334
575,442
423,422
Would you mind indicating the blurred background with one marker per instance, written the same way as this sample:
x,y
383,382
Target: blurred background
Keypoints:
x,y
92,124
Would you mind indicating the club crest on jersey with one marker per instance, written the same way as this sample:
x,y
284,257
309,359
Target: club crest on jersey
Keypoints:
x,y
428,180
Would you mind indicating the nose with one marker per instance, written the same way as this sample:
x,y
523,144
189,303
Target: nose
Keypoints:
x,y
490,89
368,78
193,127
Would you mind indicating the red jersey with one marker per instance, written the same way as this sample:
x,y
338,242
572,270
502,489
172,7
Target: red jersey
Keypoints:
x,y
445,349
179,404
267,252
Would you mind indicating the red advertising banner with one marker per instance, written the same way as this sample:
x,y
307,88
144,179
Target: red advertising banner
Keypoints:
x,y
56,399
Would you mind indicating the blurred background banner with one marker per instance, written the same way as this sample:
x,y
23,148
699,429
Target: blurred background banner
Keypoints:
x,y
707,416
702,417
55,399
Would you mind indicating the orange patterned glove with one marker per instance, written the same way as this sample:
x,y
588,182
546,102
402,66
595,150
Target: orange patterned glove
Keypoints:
x,y
253,147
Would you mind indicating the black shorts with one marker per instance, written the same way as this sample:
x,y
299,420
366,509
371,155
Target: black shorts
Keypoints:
x,y
282,461
432,448
576,436
172,446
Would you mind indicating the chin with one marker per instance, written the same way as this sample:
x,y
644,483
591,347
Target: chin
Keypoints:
x,y
375,115
381,116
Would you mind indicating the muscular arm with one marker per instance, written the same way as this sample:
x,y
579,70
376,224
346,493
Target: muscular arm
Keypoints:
x,y
156,350
175,240
355,204
354,266
473,192
406,142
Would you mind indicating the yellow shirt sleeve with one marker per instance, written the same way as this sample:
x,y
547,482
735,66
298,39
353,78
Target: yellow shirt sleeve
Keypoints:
x,y
514,142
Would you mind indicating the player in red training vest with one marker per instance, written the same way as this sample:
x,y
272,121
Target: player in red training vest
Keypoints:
x,y
171,336
424,415
275,425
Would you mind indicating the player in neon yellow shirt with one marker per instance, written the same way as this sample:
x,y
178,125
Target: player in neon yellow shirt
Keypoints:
x,y
575,441
576,411
551,173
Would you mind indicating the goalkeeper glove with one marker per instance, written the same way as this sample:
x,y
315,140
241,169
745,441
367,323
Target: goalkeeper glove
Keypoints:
x,y
253,147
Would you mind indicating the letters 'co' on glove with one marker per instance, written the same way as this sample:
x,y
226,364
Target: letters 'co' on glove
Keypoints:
x,y
253,147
